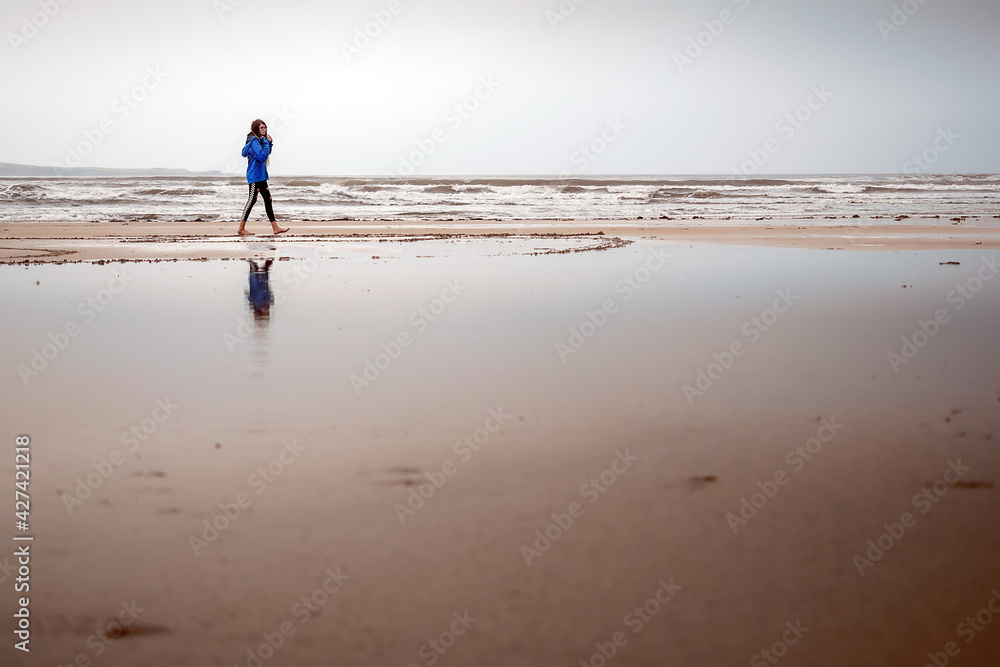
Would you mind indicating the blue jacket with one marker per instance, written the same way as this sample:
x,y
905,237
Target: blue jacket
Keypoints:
x,y
257,151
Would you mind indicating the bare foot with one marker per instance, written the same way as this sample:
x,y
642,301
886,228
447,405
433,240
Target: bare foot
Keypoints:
x,y
279,230
243,232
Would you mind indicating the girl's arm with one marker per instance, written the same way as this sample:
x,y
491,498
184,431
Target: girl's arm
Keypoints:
x,y
258,148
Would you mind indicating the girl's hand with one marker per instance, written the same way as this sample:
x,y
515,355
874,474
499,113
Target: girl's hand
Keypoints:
x,y
268,137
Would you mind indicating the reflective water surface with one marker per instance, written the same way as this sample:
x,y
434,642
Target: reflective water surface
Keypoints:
x,y
413,421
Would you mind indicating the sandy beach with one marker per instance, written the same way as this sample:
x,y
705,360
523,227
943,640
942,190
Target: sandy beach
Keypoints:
x,y
519,443
38,242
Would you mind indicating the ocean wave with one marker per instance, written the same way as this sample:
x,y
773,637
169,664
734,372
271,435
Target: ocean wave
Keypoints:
x,y
338,192
22,192
506,198
668,194
932,187
172,192
834,189
314,201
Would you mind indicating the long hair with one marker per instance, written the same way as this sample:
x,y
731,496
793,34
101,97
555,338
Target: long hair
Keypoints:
x,y
255,128
255,132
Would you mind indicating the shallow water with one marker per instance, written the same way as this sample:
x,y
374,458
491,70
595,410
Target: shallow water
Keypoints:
x,y
244,381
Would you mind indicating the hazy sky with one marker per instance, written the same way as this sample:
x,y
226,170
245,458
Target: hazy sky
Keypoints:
x,y
115,83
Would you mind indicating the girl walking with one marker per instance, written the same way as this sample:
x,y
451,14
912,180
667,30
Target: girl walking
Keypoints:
x,y
257,151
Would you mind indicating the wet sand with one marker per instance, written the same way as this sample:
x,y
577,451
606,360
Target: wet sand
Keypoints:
x,y
581,439
26,242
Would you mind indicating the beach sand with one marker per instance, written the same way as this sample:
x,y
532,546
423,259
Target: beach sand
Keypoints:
x,y
507,443
44,241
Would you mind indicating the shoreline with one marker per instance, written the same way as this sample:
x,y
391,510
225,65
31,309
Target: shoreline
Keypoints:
x,y
46,243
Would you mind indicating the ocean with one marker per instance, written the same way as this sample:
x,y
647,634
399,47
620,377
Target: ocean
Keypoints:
x,y
221,198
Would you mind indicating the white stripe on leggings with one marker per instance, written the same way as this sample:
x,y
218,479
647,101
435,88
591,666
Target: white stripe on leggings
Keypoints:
x,y
250,198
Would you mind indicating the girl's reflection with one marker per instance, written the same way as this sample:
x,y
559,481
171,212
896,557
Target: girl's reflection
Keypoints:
x,y
260,296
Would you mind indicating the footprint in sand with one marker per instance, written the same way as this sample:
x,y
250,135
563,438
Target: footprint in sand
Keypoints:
x,y
972,484
395,476
698,483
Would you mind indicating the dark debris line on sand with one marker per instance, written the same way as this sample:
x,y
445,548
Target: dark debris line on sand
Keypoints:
x,y
602,243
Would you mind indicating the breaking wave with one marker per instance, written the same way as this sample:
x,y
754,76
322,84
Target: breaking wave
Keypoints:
x,y
503,198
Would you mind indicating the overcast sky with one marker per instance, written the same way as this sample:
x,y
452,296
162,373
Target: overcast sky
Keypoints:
x,y
536,80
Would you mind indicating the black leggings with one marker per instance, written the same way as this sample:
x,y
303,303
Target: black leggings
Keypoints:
x,y
260,187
